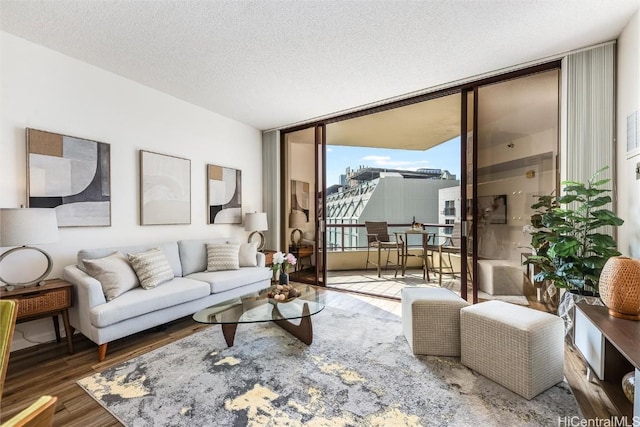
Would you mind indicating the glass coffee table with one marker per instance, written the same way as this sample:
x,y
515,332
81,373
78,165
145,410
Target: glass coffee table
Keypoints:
x,y
257,307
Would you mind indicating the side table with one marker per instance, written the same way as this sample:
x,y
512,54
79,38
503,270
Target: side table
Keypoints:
x,y
268,254
51,299
301,252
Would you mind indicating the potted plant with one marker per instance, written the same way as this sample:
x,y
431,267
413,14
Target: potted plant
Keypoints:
x,y
570,245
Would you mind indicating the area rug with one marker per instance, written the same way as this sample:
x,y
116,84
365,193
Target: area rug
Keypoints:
x,y
359,371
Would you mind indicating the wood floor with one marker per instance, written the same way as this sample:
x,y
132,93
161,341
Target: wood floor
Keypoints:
x,y
48,369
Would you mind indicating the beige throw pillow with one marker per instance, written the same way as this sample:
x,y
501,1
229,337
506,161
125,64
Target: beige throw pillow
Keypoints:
x,y
247,256
114,274
152,268
222,256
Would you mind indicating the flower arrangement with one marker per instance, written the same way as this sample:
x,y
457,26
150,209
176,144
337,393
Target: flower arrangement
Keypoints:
x,y
283,262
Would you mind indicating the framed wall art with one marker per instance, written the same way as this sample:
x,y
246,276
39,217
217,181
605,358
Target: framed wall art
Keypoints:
x,y
71,175
165,189
224,195
300,198
491,209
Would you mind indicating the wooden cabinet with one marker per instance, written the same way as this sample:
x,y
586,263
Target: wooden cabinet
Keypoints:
x,y
49,300
611,347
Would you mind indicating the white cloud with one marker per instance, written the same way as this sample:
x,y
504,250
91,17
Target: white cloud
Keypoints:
x,y
377,158
387,162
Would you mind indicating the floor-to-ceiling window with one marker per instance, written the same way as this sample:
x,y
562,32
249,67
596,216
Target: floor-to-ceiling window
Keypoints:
x,y
405,162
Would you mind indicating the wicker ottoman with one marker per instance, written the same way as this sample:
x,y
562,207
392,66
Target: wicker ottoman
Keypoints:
x,y
431,320
519,348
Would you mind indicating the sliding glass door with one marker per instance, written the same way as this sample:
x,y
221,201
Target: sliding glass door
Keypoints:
x,y
303,203
464,163
514,158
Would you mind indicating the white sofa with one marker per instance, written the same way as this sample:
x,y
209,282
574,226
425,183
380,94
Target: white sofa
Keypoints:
x,y
192,289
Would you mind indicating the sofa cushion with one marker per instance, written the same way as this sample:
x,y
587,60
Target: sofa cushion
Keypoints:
x,y
193,254
222,256
221,281
115,274
152,267
247,257
170,249
138,301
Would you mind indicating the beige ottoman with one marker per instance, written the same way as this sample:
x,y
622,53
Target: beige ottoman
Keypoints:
x,y
431,320
519,348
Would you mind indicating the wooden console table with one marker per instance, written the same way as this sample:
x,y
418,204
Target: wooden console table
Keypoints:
x,y
611,347
48,300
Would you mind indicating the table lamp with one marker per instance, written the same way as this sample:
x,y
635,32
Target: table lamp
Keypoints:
x,y
256,222
27,226
297,219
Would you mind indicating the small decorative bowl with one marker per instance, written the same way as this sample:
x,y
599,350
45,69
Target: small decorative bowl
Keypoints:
x,y
629,385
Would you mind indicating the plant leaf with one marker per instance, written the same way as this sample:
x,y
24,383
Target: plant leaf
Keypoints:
x,y
608,217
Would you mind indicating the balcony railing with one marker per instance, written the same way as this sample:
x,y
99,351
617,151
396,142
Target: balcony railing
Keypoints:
x,y
341,237
449,211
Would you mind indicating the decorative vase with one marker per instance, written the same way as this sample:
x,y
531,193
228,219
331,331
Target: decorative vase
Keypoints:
x,y
284,278
620,287
629,385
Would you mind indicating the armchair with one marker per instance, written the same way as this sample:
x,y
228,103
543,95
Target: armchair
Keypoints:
x,y
8,313
38,414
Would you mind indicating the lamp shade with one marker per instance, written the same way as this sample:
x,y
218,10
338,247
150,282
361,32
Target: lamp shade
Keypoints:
x,y
256,221
27,226
297,219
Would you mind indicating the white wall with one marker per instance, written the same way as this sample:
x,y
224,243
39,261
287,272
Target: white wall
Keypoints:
x,y
43,89
628,101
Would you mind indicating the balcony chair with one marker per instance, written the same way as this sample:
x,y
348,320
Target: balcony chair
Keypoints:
x,y
38,414
8,313
450,245
379,239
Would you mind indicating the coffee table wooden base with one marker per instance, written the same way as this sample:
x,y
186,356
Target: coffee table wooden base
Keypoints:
x,y
302,331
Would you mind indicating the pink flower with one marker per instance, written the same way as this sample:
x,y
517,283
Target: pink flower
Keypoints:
x,y
290,259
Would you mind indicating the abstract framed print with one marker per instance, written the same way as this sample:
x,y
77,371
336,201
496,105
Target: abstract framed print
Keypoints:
x,y
224,195
300,197
165,189
71,175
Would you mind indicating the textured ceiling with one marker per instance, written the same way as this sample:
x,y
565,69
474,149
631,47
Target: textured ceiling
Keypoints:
x,y
274,63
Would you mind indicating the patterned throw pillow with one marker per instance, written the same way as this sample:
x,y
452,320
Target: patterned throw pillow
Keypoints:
x,y
114,274
222,256
152,268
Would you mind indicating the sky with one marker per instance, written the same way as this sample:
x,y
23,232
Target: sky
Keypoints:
x,y
444,156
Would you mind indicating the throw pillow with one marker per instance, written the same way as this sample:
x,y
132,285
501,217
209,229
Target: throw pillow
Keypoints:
x,y
114,274
152,268
247,255
223,256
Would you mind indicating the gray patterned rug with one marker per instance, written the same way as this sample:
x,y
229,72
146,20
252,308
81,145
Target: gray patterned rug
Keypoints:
x,y
359,371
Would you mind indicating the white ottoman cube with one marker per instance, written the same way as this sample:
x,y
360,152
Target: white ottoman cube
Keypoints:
x,y
431,320
520,348
500,277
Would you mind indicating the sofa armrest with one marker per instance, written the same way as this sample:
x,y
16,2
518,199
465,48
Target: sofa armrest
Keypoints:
x,y
87,293
261,259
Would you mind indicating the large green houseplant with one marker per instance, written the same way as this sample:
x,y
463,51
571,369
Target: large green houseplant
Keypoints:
x,y
570,248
